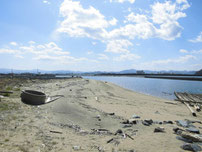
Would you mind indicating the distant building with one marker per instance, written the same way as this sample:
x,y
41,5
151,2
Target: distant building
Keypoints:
x,y
140,72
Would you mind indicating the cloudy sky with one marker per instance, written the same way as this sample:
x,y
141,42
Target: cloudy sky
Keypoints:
x,y
106,35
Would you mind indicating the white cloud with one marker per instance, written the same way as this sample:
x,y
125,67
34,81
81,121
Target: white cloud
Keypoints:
x,y
122,1
13,43
118,46
197,39
163,23
46,2
113,21
89,22
94,43
191,52
90,52
181,59
9,51
183,51
81,22
126,57
31,42
103,57
184,3
196,51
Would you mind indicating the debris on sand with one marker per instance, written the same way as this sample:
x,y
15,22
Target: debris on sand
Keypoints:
x,y
159,129
191,147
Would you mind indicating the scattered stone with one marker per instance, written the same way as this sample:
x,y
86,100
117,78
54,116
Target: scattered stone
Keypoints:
x,y
119,131
178,130
157,112
159,129
191,147
158,122
132,150
135,116
70,89
167,122
184,123
184,139
145,123
193,137
111,114
76,147
193,130
98,116
132,121
127,125
150,121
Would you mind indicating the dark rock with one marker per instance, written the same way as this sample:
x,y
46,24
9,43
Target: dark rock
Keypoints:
x,y
145,123
177,130
183,123
193,130
127,125
119,131
159,129
135,116
132,150
184,139
111,114
158,122
167,122
125,122
132,121
191,147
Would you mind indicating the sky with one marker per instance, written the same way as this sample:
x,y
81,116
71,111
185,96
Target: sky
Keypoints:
x,y
101,35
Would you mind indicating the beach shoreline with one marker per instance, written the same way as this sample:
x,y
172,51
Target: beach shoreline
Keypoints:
x,y
87,117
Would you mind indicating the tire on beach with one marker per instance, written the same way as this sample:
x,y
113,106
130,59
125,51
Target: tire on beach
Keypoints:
x,y
33,97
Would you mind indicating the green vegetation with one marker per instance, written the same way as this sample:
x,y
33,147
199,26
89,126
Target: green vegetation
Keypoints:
x,y
9,88
8,106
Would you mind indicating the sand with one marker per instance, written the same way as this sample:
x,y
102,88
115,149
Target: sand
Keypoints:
x,y
72,122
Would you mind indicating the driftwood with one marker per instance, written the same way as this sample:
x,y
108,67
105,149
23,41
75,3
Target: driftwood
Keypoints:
x,y
6,92
197,107
57,132
129,136
193,137
192,111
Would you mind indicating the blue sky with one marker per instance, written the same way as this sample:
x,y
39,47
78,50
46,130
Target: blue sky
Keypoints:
x,y
106,35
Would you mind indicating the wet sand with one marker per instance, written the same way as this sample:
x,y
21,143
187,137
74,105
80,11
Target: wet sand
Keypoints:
x,y
87,117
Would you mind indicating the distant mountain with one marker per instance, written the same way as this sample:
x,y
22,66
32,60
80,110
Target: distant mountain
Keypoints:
x,y
129,71
158,72
5,71
198,72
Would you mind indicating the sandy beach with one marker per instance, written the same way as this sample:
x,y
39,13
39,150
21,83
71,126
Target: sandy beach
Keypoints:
x,y
90,116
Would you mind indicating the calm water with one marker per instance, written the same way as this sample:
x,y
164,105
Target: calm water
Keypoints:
x,y
163,88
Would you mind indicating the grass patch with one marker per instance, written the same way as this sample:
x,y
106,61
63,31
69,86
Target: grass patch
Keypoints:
x,y
8,106
6,94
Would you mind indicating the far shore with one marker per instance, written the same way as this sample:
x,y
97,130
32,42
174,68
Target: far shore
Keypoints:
x,y
92,116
